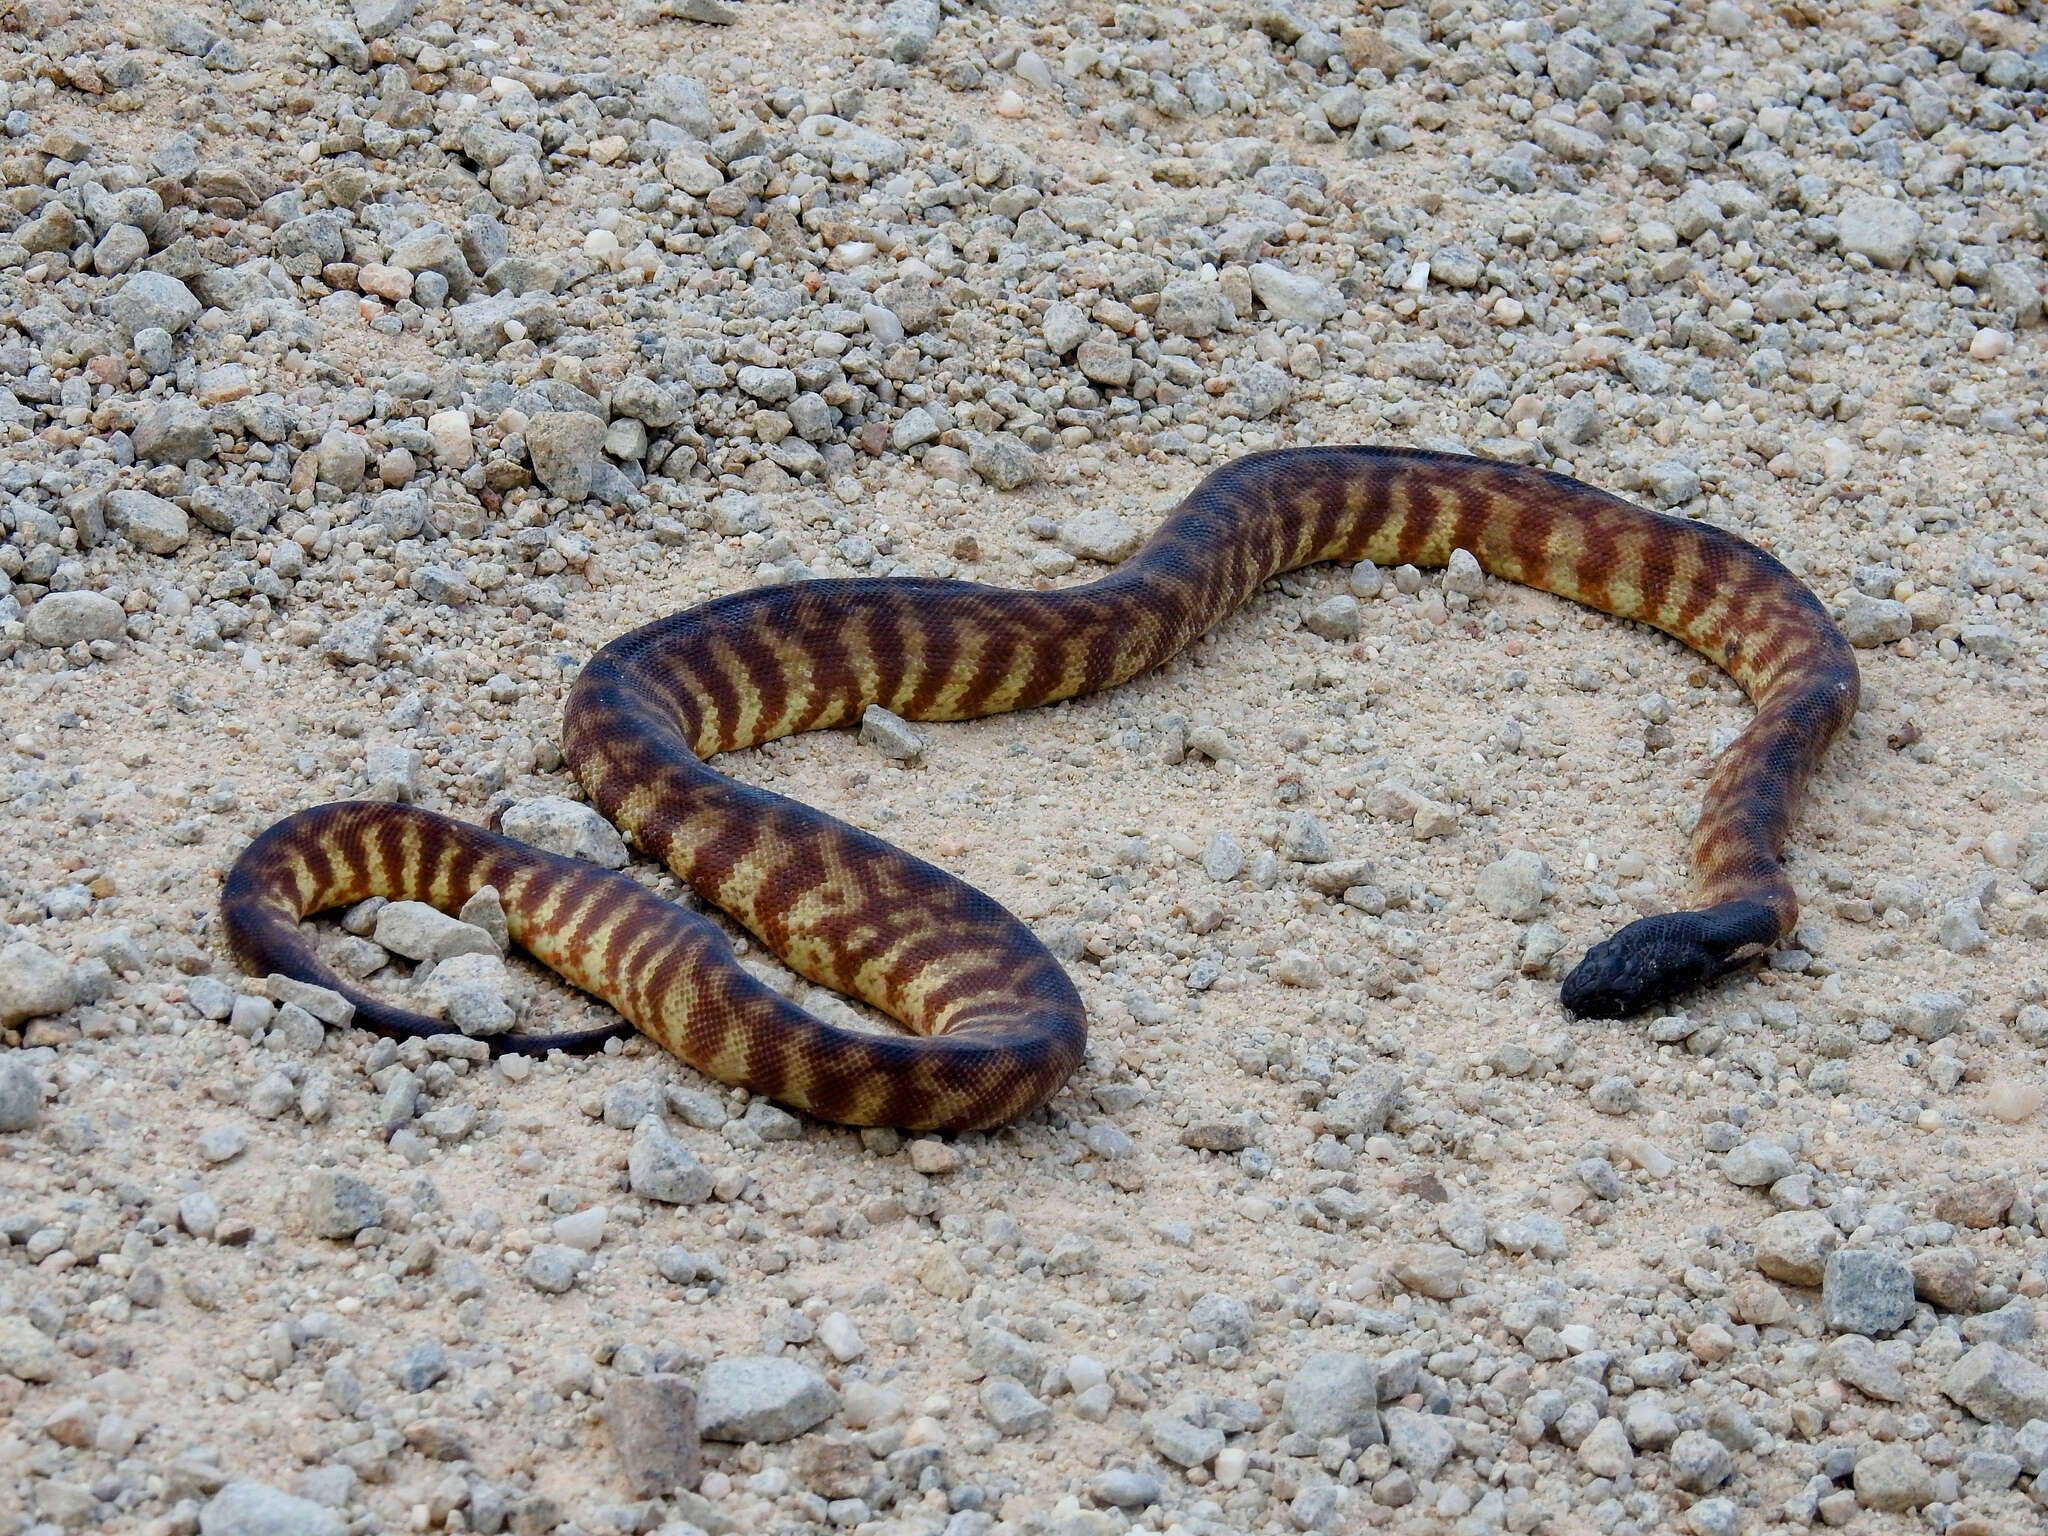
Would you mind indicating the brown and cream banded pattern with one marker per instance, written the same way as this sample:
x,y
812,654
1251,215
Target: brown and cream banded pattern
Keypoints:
x,y
994,1024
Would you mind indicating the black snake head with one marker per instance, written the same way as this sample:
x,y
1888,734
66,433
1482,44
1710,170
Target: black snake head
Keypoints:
x,y
1659,957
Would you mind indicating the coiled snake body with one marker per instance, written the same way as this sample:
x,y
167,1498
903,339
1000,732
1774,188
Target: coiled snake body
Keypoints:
x,y
995,1024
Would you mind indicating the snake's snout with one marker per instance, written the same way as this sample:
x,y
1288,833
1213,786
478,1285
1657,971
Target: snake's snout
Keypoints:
x,y
1657,958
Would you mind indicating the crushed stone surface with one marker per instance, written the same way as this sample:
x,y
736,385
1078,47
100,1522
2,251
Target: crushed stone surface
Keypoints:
x,y
364,369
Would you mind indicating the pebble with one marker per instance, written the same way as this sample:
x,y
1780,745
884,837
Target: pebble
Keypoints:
x,y
761,1398
1756,1164
153,299
1795,1246
65,619
1182,1443
256,1509
1334,1394
1881,228
1699,1462
566,827
419,932
339,1205
33,983
150,523
1010,1407
565,447
1998,1386
661,1168
552,1268
1515,886
1893,1478
1095,533
891,735
582,1230
1866,1291
653,1422
21,1097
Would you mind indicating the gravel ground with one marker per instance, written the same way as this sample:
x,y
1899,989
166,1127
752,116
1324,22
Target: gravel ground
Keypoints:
x,y
367,369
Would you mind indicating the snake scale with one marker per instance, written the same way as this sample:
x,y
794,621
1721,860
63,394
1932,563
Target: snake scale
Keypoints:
x,y
993,1024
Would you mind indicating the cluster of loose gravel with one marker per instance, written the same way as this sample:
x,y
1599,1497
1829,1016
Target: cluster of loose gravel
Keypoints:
x,y
362,370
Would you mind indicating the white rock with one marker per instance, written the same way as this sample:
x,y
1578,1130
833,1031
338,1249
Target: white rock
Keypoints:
x,y
583,1231
33,983
567,827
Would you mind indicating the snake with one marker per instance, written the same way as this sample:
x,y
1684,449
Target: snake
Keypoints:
x,y
991,1025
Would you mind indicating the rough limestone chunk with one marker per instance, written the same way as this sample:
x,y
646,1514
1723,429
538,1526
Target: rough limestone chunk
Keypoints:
x,y
890,734
257,1509
339,1205
566,827
1096,533
565,447
654,1430
1885,230
65,618
1516,886
420,932
1998,1386
1335,1394
662,1168
762,1398
33,983
21,1096
26,1352
1794,1246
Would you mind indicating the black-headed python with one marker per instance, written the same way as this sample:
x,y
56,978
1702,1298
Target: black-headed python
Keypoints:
x,y
995,1026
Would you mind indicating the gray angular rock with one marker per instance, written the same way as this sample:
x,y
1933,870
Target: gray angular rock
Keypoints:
x,y
1794,1246
1335,1394
566,827
151,524
1881,228
909,28
1294,298
1008,1405
21,1097
1606,1451
380,18
256,1509
1999,1386
1002,459
339,1205
33,982
65,618
420,932
153,299
552,1268
661,1168
682,100
1866,1291
1126,1488
1756,1164
891,735
175,430
767,1399
1334,618
1189,307
1421,1442
26,1352
565,447
1893,1478
1096,533
1699,1462
653,1422
1869,622
1515,886
1182,1443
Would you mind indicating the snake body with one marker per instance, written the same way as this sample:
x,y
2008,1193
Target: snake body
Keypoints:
x,y
994,1024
